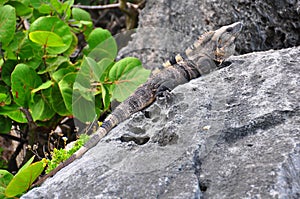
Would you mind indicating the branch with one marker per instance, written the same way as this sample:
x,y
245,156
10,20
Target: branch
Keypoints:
x,y
8,136
32,124
109,6
100,7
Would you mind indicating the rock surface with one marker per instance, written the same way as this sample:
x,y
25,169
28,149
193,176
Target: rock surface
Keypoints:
x,y
166,26
232,134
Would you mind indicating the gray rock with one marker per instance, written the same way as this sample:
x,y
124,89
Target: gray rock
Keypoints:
x,y
232,134
166,26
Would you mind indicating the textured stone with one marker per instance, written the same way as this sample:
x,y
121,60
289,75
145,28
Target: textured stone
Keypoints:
x,y
166,26
234,133
231,134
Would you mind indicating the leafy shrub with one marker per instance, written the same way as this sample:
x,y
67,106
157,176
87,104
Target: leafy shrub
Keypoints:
x,y
46,75
60,155
13,186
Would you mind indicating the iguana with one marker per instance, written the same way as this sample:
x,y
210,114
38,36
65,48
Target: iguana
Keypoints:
x,y
202,57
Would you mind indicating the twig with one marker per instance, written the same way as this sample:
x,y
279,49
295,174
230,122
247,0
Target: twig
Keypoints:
x,y
11,137
109,6
100,7
29,118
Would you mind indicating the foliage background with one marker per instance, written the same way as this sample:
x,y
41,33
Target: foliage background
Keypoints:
x,y
57,66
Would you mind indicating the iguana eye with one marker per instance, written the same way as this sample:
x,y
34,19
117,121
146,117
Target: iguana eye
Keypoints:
x,y
229,29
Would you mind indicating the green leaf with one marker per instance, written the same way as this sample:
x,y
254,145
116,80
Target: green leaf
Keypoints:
x,y
104,65
3,2
5,97
12,50
43,86
5,178
7,69
123,66
46,38
21,9
38,3
23,80
45,9
5,124
27,164
105,96
127,75
60,73
29,50
7,24
66,7
57,101
66,89
13,112
83,100
56,26
98,36
101,45
23,179
53,63
73,45
41,108
81,15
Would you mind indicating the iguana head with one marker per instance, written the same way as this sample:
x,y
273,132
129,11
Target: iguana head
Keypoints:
x,y
218,44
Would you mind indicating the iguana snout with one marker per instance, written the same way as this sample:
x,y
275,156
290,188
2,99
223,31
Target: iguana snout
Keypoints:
x,y
224,40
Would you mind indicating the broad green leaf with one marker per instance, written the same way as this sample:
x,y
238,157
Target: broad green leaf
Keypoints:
x,y
27,164
5,178
60,73
88,73
103,66
3,2
45,9
13,112
57,26
5,97
41,108
7,24
23,179
43,86
66,7
83,100
105,96
21,9
123,66
97,36
73,45
81,15
7,69
101,45
30,50
5,124
57,101
46,38
38,3
53,64
127,83
23,80
66,89
12,50
83,109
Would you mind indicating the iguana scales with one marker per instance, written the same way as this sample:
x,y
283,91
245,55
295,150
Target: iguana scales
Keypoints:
x,y
202,57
